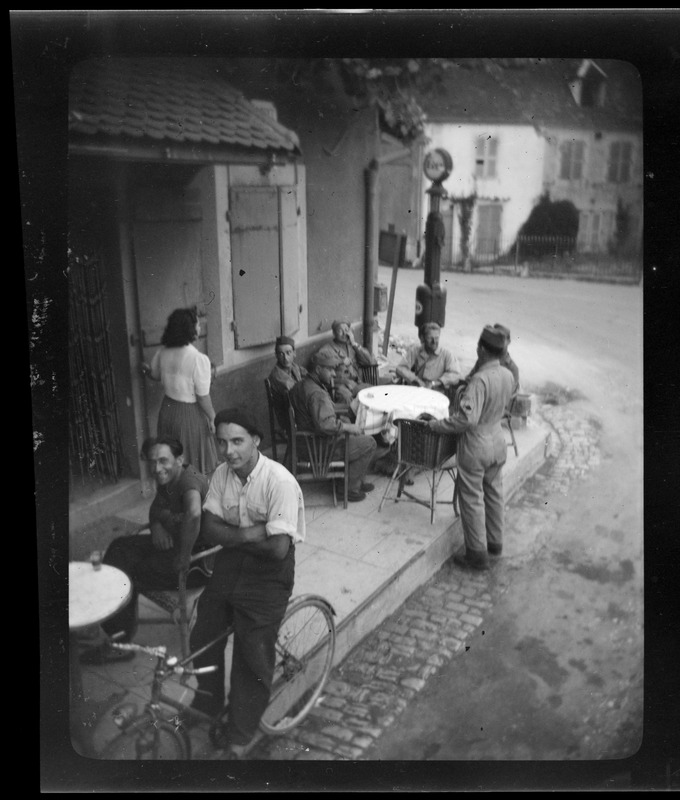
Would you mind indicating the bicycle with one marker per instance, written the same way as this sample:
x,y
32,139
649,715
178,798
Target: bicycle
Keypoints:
x,y
305,648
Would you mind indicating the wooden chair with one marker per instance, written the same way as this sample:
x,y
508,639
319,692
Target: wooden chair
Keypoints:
x,y
278,421
428,452
313,456
181,604
369,374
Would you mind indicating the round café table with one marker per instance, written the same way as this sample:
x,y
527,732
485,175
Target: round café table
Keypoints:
x,y
94,595
379,406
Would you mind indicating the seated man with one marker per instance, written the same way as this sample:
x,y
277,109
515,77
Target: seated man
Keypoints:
x,y
255,510
155,561
428,364
285,374
314,411
346,351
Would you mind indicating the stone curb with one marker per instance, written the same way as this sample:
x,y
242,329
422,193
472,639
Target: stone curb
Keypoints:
x,y
368,691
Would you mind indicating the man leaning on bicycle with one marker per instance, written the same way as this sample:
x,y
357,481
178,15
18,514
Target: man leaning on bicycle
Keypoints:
x,y
254,509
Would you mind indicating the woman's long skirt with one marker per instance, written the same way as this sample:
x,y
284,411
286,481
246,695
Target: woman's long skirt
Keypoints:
x,y
186,422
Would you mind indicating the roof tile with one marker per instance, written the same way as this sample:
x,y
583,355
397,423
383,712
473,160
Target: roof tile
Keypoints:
x,y
168,98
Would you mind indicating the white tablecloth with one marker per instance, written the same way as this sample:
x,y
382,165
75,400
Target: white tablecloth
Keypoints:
x,y
379,406
95,595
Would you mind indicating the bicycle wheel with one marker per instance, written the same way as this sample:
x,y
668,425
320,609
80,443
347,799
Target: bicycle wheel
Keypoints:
x,y
146,738
304,657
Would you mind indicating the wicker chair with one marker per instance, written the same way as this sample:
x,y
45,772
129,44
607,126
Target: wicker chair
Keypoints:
x,y
278,421
314,457
422,449
180,604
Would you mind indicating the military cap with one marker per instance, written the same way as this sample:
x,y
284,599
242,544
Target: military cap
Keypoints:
x,y
321,359
285,340
493,337
505,331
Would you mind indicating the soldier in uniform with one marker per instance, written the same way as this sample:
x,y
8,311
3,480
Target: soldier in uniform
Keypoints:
x,y
481,452
314,410
345,349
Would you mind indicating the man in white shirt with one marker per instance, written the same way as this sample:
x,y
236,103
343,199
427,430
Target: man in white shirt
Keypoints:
x,y
254,509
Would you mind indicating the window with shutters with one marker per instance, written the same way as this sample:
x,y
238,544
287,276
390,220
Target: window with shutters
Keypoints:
x,y
264,253
618,167
486,155
571,160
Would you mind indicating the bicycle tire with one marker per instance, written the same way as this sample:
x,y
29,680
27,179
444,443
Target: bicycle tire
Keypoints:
x,y
304,657
146,738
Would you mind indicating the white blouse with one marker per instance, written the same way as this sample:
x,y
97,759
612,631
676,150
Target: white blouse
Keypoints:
x,y
183,371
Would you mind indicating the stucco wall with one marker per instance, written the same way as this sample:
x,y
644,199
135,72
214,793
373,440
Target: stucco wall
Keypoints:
x,y
519,173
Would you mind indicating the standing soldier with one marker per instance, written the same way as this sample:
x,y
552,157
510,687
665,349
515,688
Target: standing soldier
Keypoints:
x,y
481,452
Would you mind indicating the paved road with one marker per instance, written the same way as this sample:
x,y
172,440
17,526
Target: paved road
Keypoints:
x,y
543,658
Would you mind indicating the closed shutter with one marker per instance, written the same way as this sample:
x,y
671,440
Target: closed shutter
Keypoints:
x,y
254,221
290,273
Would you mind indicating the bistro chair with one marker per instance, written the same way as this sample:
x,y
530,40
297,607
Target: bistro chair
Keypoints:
x,y
181,604
507,419
278,420
314,457
369,374
423,450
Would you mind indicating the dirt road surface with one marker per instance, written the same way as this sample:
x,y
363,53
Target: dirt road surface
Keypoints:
x,y
557,673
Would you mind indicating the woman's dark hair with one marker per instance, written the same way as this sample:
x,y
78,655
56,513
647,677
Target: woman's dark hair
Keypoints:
x,y
181,328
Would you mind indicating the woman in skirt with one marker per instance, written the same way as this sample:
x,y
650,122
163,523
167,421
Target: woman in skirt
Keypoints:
x,y
186,412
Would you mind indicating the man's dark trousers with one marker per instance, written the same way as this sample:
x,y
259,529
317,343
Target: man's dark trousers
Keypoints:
x,y
252,594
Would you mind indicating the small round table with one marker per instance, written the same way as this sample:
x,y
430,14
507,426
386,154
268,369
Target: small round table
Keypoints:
x,y
94,595
380,405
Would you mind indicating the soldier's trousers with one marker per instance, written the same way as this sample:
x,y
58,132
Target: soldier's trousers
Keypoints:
x,y
480,496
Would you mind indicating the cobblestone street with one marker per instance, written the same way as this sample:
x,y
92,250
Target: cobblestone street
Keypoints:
x,y
367,693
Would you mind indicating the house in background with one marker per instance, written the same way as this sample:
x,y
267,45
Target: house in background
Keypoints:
x,y
571,129
206,182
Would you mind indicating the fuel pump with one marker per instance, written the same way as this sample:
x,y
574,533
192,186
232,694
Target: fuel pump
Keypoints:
x,y
430,296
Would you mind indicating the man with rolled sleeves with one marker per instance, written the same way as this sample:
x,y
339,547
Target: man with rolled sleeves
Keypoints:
x,y
481,452
315,411
255,510
427,364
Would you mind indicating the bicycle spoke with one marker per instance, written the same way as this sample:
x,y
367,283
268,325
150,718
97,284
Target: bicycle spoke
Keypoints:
x,y
305,647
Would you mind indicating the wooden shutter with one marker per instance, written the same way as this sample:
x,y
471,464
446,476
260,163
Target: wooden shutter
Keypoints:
x,y
254,221
290,279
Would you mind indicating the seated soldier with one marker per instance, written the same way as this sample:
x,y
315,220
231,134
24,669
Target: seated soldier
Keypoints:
x,y
286,373
155,561
427,364
314,411
346,351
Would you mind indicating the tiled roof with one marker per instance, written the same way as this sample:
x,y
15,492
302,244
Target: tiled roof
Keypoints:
x,y
168,99
536,95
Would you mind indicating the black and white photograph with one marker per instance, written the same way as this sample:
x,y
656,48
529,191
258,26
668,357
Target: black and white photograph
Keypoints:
x,y
339,330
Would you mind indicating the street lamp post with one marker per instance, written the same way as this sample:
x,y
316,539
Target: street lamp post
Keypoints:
x,y
430,297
